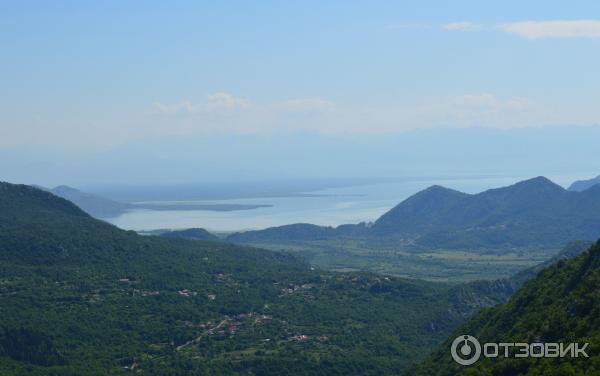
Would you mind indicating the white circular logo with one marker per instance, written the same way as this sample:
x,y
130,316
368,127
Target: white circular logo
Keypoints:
x,y
465,350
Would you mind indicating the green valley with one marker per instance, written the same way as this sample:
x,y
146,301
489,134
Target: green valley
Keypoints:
x,y
79,296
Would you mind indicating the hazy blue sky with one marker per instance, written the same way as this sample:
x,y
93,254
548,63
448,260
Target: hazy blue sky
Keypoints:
x,y
139,91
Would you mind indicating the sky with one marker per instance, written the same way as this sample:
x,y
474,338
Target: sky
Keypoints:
x,y
127,92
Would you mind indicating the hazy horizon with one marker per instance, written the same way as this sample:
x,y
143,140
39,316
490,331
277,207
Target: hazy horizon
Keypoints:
x,y
115,94
302,157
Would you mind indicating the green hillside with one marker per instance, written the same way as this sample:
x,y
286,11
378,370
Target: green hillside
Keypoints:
x,y
532,213
81,297
191,233
560,305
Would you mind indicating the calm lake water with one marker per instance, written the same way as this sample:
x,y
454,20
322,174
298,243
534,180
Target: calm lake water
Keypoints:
x,y
331,207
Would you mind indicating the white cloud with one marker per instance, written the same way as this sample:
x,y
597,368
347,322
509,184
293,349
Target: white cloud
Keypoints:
x,y
484,110
537,29
554,29
224,101
220,114
462,26
215,103
308,105
466,110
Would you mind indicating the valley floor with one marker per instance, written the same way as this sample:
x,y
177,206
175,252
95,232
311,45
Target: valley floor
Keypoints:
x,y
438,265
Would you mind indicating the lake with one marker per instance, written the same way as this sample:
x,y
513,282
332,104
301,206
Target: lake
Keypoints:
x,y
328,207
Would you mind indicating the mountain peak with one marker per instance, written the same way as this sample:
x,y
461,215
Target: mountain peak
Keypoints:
x,y
540,181
438,190
539,185
424,205
191,233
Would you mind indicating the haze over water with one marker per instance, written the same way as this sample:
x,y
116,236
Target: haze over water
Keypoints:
x,y
327,207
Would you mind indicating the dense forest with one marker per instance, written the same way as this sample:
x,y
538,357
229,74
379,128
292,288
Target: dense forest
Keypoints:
x,y
80,296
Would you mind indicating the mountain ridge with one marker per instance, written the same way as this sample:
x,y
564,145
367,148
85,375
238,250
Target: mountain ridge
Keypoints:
x,y
191,233
534,213
582,185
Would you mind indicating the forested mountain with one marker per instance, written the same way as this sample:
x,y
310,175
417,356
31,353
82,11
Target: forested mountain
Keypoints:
x,y
535,213
297,232
191,233
582,185
81,297
560,305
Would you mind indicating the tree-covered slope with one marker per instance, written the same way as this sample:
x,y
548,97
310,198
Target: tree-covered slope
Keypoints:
x,y
413,216
560,305
532,213
81,297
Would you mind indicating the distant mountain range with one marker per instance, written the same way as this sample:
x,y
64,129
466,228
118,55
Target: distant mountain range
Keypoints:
x,y
534,213
582,185
103,208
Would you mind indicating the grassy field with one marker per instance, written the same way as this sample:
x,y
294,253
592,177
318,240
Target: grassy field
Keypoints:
x,y
433,265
